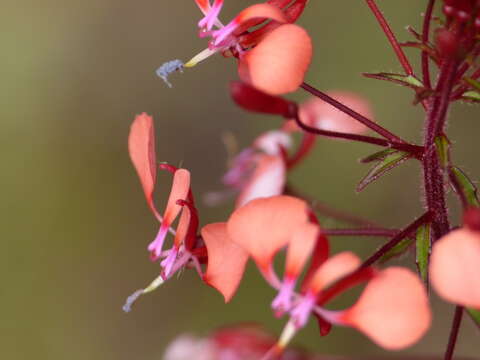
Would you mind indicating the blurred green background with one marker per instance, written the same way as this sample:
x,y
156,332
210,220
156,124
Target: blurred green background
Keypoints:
x,y
76,225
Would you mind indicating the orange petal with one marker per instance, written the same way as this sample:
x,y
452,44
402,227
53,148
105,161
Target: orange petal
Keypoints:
x,y
277,65
317,113
300,248
141,146
180,189
393,309
267,180
226,260
204,5
333,269
264,226
255,14
183,227
455,267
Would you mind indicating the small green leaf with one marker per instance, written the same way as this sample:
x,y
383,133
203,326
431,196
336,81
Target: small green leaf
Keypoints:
x,y
471,95
475,315
401,79
397,250
423,250
473,83
380,155
443,149
388,163
461,183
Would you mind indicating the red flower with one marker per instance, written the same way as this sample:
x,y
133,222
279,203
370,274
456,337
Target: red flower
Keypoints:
x,y
393,309
273,58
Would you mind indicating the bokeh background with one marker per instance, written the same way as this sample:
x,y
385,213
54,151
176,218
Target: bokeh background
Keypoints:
x,y
75,223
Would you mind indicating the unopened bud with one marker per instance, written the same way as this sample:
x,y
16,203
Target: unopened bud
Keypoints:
x,y
252,99
471,218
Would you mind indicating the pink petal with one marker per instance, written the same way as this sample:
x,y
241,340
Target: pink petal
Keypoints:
x,y
277,65
300,248
264,226
393,310
141,146
321,115
267,180
226,260
455,267
179,191
332,270
183,227
273,141
252,14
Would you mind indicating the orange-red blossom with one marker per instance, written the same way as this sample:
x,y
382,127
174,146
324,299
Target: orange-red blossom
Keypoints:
x,y
393,309
274,58
455,263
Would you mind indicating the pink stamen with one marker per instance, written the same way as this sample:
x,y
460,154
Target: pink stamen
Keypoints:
x,y
182,261
169,261
222,34
283,302
212,17
301,313
156,245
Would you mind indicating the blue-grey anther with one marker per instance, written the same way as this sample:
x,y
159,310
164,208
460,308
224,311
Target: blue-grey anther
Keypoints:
x,y
169,67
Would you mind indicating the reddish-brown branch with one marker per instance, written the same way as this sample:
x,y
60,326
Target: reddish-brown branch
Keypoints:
x,y
374,232
359,117
396,239
425,38
452,341
330,212
433,171
391,37
415,150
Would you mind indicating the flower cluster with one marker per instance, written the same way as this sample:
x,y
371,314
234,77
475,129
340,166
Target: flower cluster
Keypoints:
x,y
273,56
261,226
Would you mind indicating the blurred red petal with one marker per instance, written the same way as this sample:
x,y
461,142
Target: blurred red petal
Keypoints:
x,y
183,226
254,14
455,267
321,115
180,190
204,5
300,248
333,269
267,180
277,65
264,226
226,260
141,146
393,310
255,100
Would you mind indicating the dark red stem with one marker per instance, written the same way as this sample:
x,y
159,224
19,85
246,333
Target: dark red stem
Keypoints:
x,y
359,117
396,239
416,150
328,211
433,171
452,341
391,37
357,277
425,38
377,232
307,144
